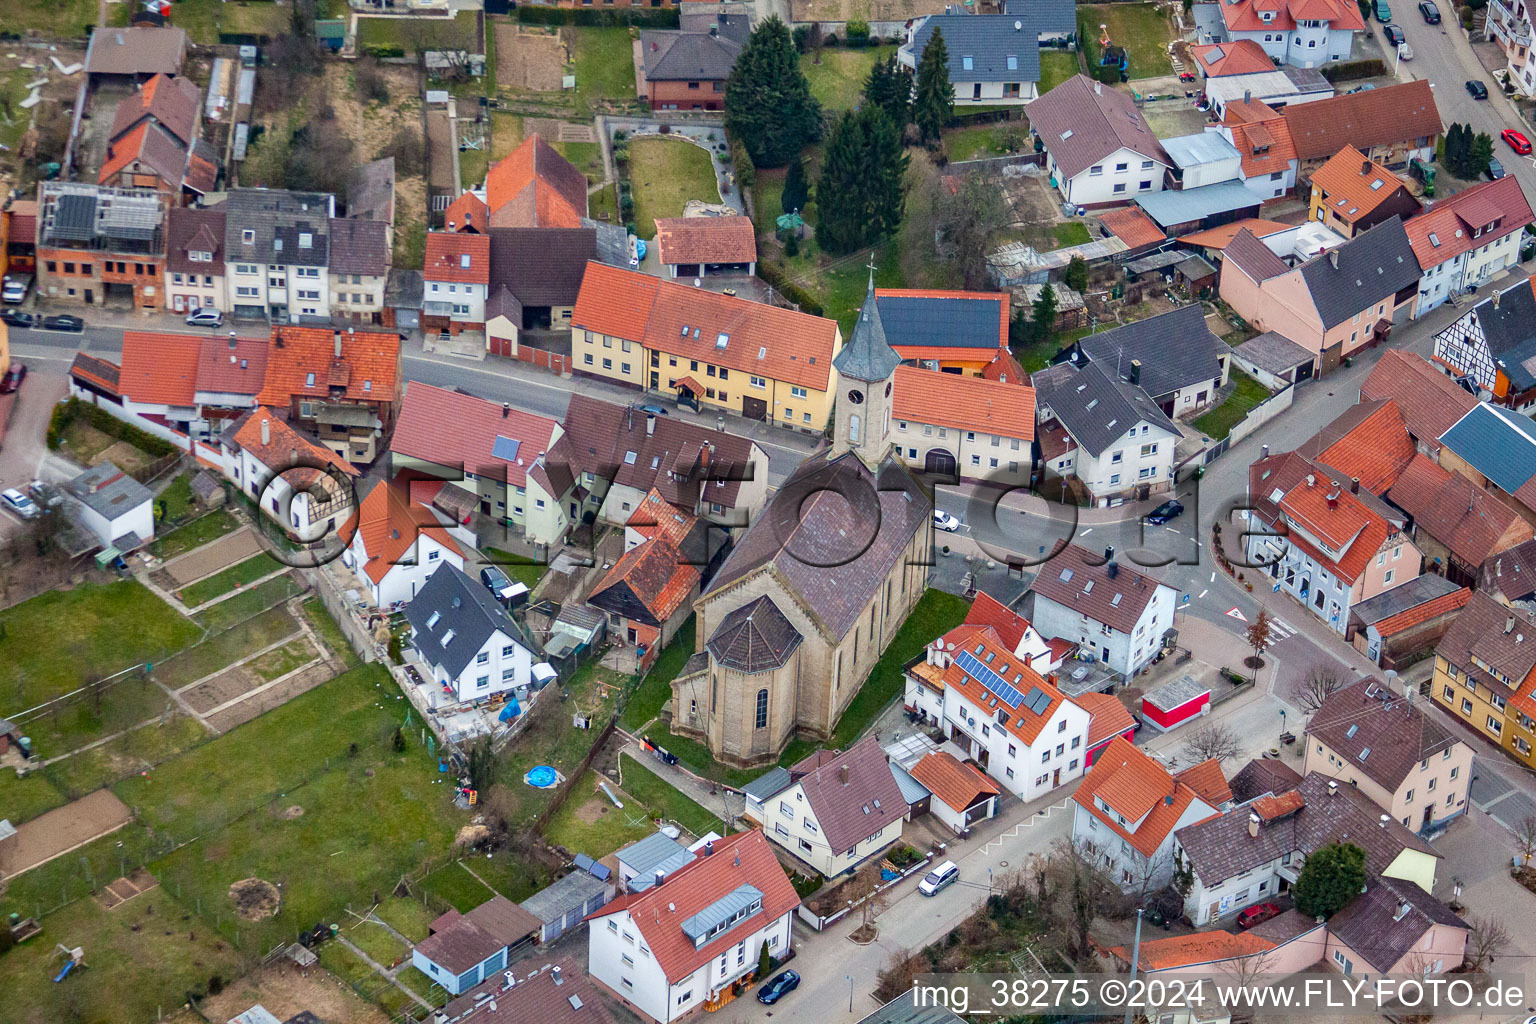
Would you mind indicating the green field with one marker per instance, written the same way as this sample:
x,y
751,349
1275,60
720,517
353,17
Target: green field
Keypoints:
x,y
666,801
221,649
56,19
604,62
135,750
194,534
236,576
664,175
1141,29
1246,394
61,640
415,34
838,81
250,601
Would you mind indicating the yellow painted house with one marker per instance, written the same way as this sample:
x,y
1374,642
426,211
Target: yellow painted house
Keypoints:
x,y
708,350
1485,674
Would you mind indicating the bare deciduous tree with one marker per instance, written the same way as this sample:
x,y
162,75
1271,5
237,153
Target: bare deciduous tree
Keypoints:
x,y
1322,681
965,220
1078,889
1487,940
1212,740
1525,838
865,885
1259,636
899,974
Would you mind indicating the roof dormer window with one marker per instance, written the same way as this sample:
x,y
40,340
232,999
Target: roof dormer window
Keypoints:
x,y
248,236
967,63
306,240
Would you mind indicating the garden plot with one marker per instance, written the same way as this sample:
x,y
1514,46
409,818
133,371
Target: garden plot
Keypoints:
x,y
263,699
528,58
213,558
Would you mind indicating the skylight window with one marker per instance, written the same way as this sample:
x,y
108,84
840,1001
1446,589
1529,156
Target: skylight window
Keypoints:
x,y
685,330
432,622
1013,63
448,638
309,380
1088,587
464,260
1066,135
1365,753
967,63
1066,576
721,340
1434,240
1377,184
629,458
1350,732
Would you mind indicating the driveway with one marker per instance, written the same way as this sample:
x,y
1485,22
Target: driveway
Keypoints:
x,y
24,455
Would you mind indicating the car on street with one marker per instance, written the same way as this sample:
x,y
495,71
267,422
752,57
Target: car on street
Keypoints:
x,y
1164,512
16,318
654,410
778,988
20,504
1477,90
14,288
1383,11
1495,169
1394,35
1430,11
1516,141
63,323
1257,914
945,521
204,317
941,877
13,378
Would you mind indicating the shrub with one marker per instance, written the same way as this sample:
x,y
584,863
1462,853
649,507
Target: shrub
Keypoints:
x,y
858,33
1349,70
774,275
380,52
666,17
746,171
67,412
1467,18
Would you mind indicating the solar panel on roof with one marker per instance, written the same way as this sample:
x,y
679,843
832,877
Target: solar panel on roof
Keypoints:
x,y
986,677
505,448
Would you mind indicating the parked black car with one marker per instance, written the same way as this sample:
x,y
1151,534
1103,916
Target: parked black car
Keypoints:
x,y
1430,11
13,378
16,318
778,988
1395,35
1477,90
63,323
1164,512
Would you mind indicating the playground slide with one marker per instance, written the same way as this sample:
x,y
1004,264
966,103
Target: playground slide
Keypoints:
x,y
64,972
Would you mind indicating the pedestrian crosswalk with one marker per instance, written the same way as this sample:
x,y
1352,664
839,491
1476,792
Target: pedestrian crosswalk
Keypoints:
x,y
1279,630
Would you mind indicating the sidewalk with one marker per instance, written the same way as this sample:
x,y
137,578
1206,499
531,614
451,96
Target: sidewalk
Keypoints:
x,y
720,800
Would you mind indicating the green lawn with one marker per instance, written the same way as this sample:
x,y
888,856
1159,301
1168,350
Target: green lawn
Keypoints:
x,y
1038,356
63,639
646,702
141,960
473,165
506,133
409,917
513,876
588,823
24,798
604,60
522,569
375,940
768,198
454,885
587,156
321,622
423,986
986,140
838,81
841,288
236,576
220,649
665,174
71,726
1056,66
415,34
1140,28
203,20
57,19
134,751
177,499
250,601
194,534
282,660
1218,423
603,205
665,801
14,85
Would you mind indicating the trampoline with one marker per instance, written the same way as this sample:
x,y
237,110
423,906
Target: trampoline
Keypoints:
x,y
542,777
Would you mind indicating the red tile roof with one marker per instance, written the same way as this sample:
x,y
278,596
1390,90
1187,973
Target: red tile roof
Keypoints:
x,y
745,858
159,368
1082,123
1445,604
1473,523
760,339
1287,473
730,239
1239,57
1354,186
171,102
1132,227
1221,237
457,257
389,523
1453,220
1248,255
535,187
232,366
1107,716
451,429
655,516
466,213
653,573
987,610
1271,807
1194,949
368,370
952,781
1134,785
1430,402
1369,441
284,445
1005,368
1265,145
964,403
1377,117
1021,722
1207,780
1248,15
1326,510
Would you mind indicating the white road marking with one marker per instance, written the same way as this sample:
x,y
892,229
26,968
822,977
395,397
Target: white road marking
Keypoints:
x,y
1013,833
1087,531
1176,533
1213,578
1202,594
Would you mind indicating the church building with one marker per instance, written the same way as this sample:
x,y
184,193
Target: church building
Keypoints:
x,y
802,608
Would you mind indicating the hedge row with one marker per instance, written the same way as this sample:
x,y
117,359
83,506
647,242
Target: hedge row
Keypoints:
x,y
663,17
67,412
1350,70
774,275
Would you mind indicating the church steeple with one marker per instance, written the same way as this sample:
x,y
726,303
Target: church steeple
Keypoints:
x,y
865,368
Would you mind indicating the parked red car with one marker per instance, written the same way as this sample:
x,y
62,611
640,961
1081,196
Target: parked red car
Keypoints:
x,y
1257,914
1517,142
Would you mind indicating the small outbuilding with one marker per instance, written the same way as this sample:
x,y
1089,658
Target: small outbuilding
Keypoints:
x,y
562,905
961,795
113,506
1175,702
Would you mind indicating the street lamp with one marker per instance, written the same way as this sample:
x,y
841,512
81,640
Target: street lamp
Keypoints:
x,y
1282,723
850,992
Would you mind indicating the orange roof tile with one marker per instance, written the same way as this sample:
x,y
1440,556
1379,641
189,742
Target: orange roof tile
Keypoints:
x,y
1127,778
706,240
655,573
1219,237
124,152
457,257
159,368
1335,523
1208,782
1239,57
1021,722
759,339
389,523
1107,716
1442,605
955,783
1271,807
1194,949
1473,523
1450,220
535,187
1244,111
1354,186
285,447
468,213
1376,449
368,370
745,858
1376,117
964,403
1132,227
987,610
1287,473
1005,368
655,516
1265,146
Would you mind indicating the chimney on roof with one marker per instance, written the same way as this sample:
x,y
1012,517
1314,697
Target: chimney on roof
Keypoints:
x,y
231,339
266,432
1098,89
650,424
450,225
555,972
1354,485
1113,569
1135,371
660,878
1265,452
1253,825
506,409
1365,168
336,342
1509,625
1247,95
1333,787
714,31
842,775
709,848
1109,553
1495,298
1382,821
1403,906
1333,258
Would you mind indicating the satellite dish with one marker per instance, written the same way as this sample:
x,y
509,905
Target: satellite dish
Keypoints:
x,y
1018,25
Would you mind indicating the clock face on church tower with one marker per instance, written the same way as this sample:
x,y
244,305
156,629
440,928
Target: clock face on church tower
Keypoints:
x,y
856,397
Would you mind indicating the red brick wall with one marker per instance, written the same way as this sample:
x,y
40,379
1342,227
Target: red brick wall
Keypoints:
x,y
679,96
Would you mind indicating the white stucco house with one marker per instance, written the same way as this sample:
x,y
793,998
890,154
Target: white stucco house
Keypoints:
x,y
1099,149
457,278
396,545
1463,240
275,250
1303,33
467,639
116,508
679,945
1114,614
304,488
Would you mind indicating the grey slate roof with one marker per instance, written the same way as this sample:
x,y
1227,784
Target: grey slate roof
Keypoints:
x,y
654,853
941,321
775,780
684,56
1095,408
140,50
1497,443
1088,588
1415,592
1176,350
1081,123
868,355
1221,848
1172,207
1372,266
754,638
559,898
853,794
541,266
1372,924
1057,17
1274,352
277,215
359,247
1510,331
465,609
989,41
1246,253
108,491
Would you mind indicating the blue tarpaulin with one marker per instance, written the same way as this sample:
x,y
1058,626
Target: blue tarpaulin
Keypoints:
x,y
511,711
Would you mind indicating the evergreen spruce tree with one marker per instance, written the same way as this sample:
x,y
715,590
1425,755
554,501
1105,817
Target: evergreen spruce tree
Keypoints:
x,y
768,103
1044,314
1479,154
797,190
934,99
889,87
860,195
